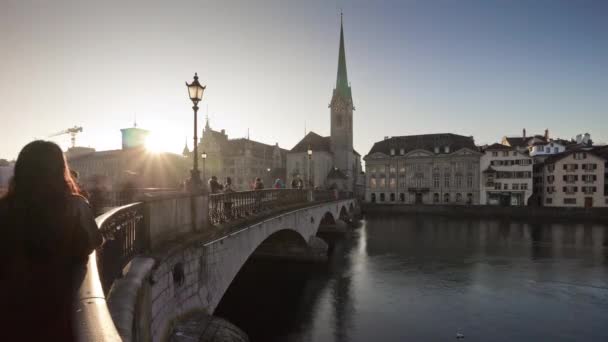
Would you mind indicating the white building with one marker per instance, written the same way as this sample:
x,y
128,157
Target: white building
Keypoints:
x,y
546,148
506,176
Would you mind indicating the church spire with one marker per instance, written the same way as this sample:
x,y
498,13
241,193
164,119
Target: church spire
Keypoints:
x,y
342,86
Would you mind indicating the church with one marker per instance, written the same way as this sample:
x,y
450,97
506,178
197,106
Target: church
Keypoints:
x,y
330,162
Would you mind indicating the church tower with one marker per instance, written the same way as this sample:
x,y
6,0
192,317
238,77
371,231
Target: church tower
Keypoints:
x,y
341,109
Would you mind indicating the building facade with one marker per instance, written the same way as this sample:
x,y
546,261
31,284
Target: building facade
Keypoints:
x,y
334,162
242,159
575,178
423,169
506,176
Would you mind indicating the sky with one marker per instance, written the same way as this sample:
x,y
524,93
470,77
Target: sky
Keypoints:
x,y
482,68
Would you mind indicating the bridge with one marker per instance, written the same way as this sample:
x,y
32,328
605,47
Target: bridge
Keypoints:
x,y
171,257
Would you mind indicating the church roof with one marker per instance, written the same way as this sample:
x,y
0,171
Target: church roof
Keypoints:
x,y
426,142
342,86
235,147
315,141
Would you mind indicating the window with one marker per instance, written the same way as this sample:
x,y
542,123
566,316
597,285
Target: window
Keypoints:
x,y
505,186
589,189
548,150
469,198
446,198
446,149
392,183
556,150
402,151
570,189
589,167
497,186
550,167
392,170
589,178
372,170
382,197
494,154
458,181
382,182
505,153
550,189
446,180
569,200
580,155
435,198
436,181
469,181
402,197
436,149
392,197
570,178
372,183
515,186
524,186
549,200
458,197
550,179
392,151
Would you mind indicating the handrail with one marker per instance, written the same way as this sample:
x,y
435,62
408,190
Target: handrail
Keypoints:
x,y
93,321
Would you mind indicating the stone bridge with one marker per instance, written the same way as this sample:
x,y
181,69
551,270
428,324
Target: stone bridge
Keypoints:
x,y
167,259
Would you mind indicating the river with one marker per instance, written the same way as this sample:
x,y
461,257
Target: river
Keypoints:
x,y
429,278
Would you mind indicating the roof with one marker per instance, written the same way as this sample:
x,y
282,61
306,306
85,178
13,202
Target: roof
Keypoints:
x,y
342,87
593,151
314,141
518,141
336,173
237,146
498,147
489,170
424,142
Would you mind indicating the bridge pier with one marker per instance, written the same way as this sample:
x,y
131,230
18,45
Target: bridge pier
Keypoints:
x,y
338,227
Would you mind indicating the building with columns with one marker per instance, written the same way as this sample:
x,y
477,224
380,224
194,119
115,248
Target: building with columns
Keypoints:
x,y
423,169
334,162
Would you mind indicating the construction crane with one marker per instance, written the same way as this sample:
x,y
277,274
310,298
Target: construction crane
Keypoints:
x,y
72,132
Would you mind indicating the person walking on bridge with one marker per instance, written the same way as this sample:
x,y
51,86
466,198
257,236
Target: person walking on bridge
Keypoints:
x,y
48,231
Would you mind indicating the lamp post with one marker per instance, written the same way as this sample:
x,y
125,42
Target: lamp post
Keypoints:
x,y
309,152
204,157
195,92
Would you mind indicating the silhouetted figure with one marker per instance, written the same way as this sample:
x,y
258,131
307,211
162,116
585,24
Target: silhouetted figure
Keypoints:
x,y
228,186
48,230
259,185
278,184
214,186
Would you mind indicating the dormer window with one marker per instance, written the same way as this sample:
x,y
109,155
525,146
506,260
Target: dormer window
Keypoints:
x,y
436,149
402,151
446,149
392,151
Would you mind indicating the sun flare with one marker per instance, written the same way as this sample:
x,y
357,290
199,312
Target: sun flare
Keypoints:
x,y
155,143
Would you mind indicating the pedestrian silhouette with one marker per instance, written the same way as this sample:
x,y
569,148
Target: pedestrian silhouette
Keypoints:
x,y
48,231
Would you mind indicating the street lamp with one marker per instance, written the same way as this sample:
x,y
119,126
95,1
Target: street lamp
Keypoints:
x,y
195,92
204,157
309,152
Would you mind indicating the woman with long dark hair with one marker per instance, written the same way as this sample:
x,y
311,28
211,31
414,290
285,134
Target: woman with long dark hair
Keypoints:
x,y
48,230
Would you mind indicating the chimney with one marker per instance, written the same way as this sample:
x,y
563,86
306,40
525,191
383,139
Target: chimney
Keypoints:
x,y
524,133
547,134
579,138
386,137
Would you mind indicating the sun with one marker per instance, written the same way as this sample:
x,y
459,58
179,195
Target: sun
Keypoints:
x,y
155,143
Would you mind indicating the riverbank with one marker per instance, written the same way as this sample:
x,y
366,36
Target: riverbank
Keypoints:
x,y
487,211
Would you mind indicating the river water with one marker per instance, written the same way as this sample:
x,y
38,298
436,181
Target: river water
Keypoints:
x,y
429,278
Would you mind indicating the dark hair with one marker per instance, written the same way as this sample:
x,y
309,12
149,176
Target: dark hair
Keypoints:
x,y
41,172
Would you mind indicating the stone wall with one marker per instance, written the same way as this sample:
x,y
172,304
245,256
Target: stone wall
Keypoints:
x,y
520,213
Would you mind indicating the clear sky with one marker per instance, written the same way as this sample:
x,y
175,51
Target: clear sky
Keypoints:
x,y
483,68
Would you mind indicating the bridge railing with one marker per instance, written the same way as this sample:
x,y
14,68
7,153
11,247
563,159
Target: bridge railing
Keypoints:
x,y
125,234
227,207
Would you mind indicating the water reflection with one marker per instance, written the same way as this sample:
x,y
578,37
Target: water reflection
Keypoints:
x,y
415,278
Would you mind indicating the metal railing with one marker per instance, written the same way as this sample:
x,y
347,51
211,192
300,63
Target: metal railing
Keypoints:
x,y
231,206
125,234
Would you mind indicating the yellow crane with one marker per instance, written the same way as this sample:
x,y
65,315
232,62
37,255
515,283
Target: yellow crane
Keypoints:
x,y
71,131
